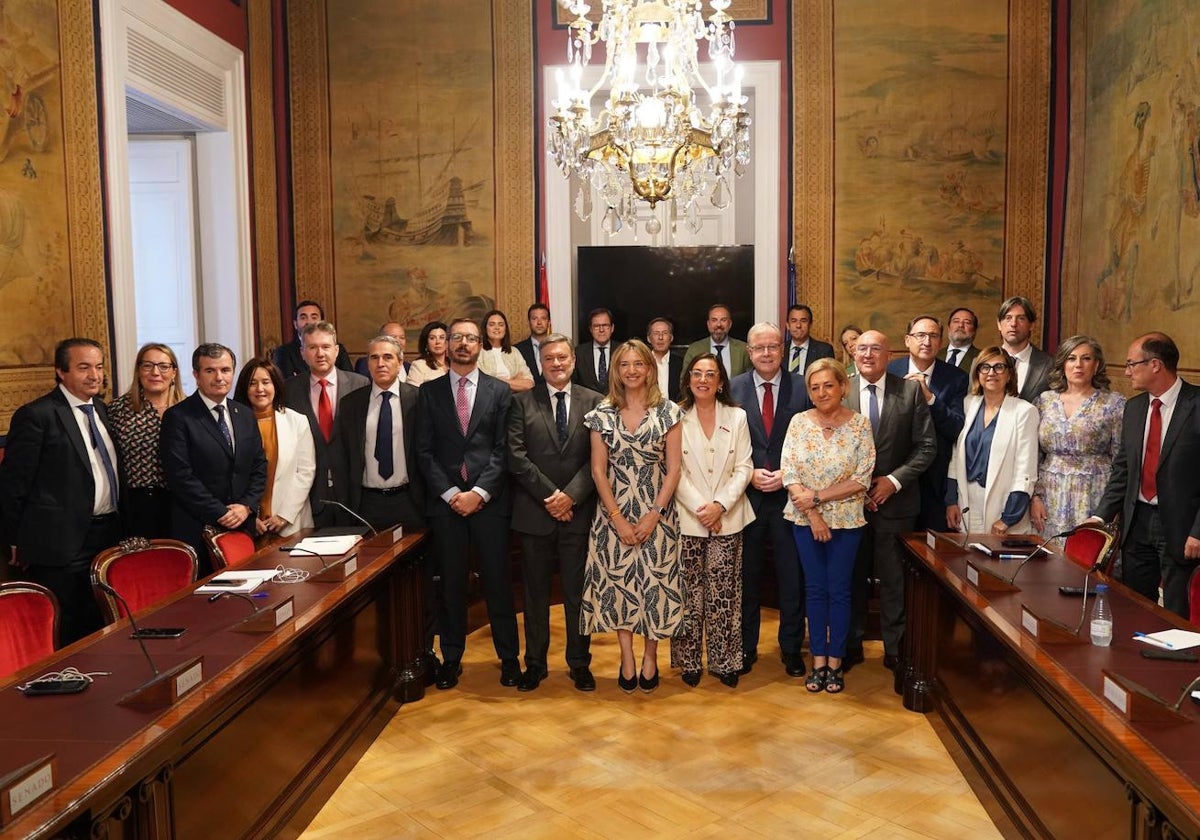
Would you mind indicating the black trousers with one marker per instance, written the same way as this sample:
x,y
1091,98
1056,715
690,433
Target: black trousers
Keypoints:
x,y
78,610
1145,562
881,556
565,551
384,510
453,536
769,526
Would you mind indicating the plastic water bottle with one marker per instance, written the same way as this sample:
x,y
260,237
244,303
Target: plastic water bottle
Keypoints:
x,y
1102,628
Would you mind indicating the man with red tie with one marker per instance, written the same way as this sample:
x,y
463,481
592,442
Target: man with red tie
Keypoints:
x,y
1155,483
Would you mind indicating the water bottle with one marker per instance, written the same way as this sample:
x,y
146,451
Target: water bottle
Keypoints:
x,y
1101,617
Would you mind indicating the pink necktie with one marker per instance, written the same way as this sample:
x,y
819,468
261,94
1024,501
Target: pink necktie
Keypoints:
x,y
464,416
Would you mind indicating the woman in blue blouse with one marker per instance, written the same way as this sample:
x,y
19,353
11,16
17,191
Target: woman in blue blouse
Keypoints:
x,y
993,468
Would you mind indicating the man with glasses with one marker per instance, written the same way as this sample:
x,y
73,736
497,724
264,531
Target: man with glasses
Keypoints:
x,y
771,397
595,356
462,450
802,349
731,352
961,350
1015,322
905,446
944,388
1155,478
659,334
538,316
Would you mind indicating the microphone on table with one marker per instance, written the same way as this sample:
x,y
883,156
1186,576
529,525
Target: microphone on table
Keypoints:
x,y
962,517
354,513
1041,547
217,596
303,550
137,631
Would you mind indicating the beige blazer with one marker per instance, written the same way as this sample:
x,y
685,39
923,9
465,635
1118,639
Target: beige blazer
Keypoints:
x,y
715,470
295,471
1013,462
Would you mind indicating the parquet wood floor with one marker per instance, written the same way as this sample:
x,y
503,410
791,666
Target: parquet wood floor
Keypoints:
x,y
766,759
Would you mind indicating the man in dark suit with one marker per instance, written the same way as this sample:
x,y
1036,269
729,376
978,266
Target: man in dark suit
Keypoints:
x,y
549,455
212,454
374,463
539,327
659,334
318,395
905,446
396,330
462,450
770,397
730,351
1015,321
944,387
592,359
1155,483
289,357
802,349
960,349
60,485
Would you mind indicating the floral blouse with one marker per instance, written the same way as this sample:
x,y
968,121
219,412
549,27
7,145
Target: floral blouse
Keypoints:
x,y
816,463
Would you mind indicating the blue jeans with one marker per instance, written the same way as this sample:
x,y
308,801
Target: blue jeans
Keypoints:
x,y
828,568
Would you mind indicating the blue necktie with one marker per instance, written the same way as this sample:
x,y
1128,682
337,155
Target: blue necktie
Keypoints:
x,y
717,348
954,351
873,409
560,416
222,425
102,450
602,377
383,436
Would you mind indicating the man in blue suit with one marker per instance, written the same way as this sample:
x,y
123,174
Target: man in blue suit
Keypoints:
x,y
944,387
802,349
770,397
212,454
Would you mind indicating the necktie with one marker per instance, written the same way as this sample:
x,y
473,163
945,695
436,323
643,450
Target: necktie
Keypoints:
x,y
560,416
101,450
1153,445
768,408
717,348
873,409
602,376
325,411
954,351
383,436
464,416
222,425
794,363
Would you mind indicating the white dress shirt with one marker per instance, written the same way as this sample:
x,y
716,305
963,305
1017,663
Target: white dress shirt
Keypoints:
x,y
212,412
103,495
1022,360
472,387
371,477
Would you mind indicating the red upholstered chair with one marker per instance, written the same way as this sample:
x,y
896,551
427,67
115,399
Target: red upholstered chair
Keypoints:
x,y
228,549
143,571
1092,545
28,625
1194,597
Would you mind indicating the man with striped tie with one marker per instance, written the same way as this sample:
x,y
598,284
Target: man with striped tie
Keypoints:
x,y
802,349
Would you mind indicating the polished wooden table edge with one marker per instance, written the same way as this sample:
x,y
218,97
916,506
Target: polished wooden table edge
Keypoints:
x,y
51,813
1100,719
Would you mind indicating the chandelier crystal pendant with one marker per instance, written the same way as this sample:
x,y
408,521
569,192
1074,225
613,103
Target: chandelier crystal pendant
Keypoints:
x,y
652,140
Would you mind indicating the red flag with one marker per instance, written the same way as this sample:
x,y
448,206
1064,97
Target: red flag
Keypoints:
x,y
543,286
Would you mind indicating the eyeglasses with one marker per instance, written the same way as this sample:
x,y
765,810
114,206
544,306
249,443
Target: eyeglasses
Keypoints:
x,y
602,326
925,336
704,374
997,368
464,338
870,349
150,367
660,334
1131,365
765,348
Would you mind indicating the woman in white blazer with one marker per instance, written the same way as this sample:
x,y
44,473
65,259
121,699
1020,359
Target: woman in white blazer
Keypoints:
x,y
713,510
288,444
994,466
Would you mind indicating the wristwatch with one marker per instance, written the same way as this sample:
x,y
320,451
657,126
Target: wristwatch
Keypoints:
x,y
662,510
816,499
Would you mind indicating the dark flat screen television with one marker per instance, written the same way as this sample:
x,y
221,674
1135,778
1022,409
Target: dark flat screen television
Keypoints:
x,y
639,283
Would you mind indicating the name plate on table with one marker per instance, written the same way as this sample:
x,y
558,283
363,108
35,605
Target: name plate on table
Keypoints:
x,y
338,571
168,687
1136,703
946,543
386,537
268,619
25,786
986,581
1046,630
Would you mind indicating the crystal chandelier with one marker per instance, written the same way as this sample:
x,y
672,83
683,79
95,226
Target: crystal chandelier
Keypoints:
x,y
651,141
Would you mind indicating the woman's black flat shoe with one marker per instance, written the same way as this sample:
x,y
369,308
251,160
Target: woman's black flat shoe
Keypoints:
x,y
647,684
692,678
626,685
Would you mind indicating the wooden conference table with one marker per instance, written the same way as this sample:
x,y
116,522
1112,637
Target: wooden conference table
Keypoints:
x,y
275,722
1029,717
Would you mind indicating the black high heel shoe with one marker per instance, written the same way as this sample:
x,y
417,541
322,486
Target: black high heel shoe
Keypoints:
x,y
626,685
692,678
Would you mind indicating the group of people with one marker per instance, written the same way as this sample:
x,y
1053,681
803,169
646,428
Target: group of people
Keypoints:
x,y
652,480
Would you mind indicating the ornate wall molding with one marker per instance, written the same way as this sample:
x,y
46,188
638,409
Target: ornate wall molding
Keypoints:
x,y
262,155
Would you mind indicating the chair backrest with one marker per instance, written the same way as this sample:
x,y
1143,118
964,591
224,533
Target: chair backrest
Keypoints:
x,y
28,625
1092,545
143,571
228,548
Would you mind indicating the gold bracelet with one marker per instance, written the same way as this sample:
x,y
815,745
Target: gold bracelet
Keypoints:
x,y
614,512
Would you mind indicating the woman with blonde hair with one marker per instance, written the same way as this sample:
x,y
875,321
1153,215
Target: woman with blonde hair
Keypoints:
x,y
136,419
632,582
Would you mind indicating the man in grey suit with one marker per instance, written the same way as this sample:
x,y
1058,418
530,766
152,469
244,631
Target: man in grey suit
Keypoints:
x,y
905,446
1155,483
549,456
318,396
961,327
1015,322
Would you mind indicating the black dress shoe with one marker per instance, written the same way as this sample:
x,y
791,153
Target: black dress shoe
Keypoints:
x,y
510,672
692,678
448,675
890,661
851,659
530,680
627,685
583,679
793,663
748,660
730,679
647,685
432,665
